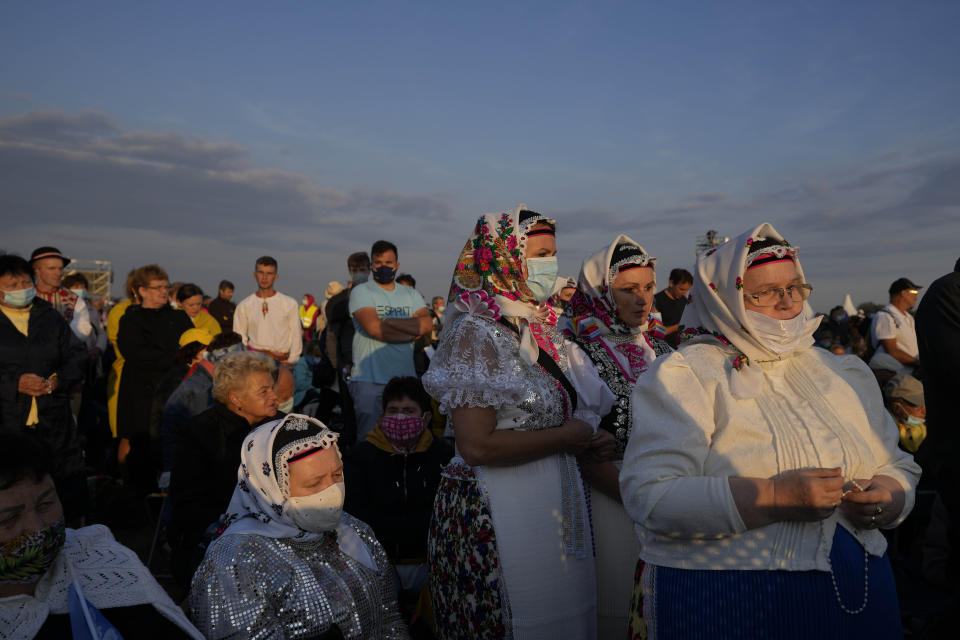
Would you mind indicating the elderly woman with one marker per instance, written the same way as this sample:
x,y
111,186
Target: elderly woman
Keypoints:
x,y
190,297
290,563
760,468
611,325
207,451
509,544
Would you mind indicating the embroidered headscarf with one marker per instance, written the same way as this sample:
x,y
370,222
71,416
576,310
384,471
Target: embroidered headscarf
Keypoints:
x,y
595,311
717,312
489,277
259,502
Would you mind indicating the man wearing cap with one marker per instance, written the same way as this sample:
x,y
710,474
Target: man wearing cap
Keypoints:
x,y
48,264
904,395
894,334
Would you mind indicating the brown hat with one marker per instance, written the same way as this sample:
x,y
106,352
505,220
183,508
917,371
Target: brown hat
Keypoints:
x,y
902,284
906,387
48,252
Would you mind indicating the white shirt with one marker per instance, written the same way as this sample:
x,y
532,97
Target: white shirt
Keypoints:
x,y
690,434
276,330
890,322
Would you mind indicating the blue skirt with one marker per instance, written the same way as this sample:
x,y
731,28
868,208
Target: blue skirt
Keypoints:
x,y
684,603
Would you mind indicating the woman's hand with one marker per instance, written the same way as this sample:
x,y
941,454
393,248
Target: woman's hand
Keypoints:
x,y
577,436
603,447
33,385
807,494
873,503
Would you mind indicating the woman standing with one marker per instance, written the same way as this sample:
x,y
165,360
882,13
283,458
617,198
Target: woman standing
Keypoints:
x,y
190,297
509,544
611,325
763,467
148,337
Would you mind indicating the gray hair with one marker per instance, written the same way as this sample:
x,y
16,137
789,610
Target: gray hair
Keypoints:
x,y
230,374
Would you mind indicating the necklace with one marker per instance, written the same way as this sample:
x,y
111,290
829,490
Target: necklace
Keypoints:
x,y
833,580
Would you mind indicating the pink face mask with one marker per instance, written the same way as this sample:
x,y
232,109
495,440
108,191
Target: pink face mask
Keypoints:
x,y
402,431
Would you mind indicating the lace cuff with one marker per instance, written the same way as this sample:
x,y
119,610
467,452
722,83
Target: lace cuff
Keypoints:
x,y
474,366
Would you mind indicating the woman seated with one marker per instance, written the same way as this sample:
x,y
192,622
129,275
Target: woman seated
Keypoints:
x,y
611,325
207,451
760,468
57,582
290,563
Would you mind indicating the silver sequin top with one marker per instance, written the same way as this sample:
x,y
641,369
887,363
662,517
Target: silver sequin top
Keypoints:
x,y
252,586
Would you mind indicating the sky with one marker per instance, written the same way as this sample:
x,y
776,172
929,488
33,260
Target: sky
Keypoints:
x,y
202,135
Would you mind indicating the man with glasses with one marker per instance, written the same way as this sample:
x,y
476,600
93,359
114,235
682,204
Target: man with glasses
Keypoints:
x,y
894,334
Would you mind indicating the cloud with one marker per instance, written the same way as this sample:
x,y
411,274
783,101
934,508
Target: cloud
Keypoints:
x,y
85,166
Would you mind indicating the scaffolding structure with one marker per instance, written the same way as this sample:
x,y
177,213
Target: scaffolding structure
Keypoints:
x,y
99,275
710,240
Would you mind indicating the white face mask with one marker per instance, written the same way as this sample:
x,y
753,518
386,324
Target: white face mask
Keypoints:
x,y
286,406
320,511
81,293
781,336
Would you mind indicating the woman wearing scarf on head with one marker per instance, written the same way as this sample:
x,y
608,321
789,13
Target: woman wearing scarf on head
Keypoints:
x,y
616,342
760,468
509,547
290,563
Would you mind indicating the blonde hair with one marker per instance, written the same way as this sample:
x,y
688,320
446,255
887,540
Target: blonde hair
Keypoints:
x,y
230,374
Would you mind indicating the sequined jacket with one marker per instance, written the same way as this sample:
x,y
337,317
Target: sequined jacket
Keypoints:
x,y
251,586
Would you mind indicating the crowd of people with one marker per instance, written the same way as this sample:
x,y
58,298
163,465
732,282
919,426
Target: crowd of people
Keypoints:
x,y
530,456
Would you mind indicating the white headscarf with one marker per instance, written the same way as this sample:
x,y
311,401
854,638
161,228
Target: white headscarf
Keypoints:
x,y
259,503
595,310
717,311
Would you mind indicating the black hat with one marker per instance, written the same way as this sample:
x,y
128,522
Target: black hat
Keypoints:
x,y
902,284
48,252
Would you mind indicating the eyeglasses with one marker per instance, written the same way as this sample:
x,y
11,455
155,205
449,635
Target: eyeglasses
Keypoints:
x,y
159,287
770,297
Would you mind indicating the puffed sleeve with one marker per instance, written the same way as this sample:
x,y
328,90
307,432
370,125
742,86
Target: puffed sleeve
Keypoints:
x,y
473,367
662,481
892,461
595,400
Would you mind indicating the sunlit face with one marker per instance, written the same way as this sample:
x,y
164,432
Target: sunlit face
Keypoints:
x,y
903,409
192,305
257,399
27,507
567,293
265,276
679,291
437,303
386,259
775,275
909,297
49,272
155,294
14,282
315,473
540,246
633,291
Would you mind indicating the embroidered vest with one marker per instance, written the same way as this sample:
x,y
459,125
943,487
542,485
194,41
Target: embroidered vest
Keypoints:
x,y
63,300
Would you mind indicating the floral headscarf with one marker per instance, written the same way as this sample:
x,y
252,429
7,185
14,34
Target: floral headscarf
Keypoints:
x,y
717,311
493,258
593,306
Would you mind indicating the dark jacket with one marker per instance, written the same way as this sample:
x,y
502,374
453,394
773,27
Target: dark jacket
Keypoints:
x,y
394,493
148,339
191,398
49,347
222,310
340,324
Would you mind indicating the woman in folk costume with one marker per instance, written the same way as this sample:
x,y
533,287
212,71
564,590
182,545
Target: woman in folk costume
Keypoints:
x,y
613,327
509,544
290,563
760,468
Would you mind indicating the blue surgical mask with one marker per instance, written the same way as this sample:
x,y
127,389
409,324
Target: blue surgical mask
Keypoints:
x,y
914,421
81,293
542,276
19,298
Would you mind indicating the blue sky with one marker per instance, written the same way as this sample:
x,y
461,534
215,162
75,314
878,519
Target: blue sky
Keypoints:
x,y
202,135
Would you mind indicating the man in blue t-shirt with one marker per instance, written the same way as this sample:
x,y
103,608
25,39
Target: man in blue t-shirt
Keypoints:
x,y
388,318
